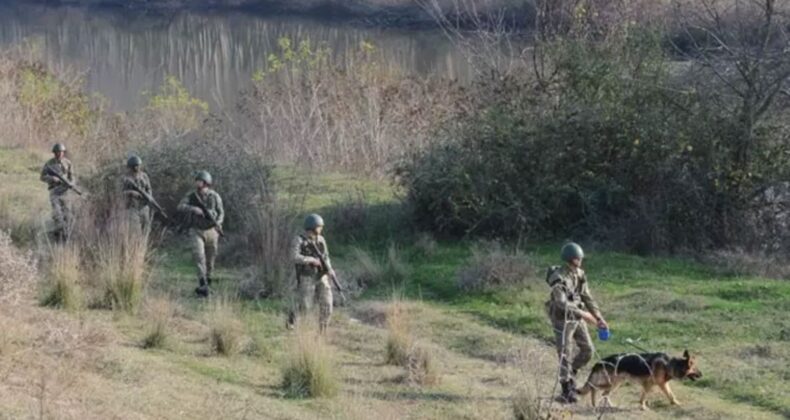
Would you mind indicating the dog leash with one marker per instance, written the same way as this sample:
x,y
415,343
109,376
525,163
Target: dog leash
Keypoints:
x,y
632,342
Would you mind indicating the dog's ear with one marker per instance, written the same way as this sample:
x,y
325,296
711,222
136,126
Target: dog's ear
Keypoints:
x,y
686,354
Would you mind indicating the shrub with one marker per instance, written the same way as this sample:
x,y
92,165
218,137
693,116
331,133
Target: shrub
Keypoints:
x,y
62,284
270,235
356,115
492,267
309,370
619,145
226,331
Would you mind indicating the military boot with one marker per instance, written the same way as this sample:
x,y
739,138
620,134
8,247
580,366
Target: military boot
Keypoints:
x,y
568,393
202,290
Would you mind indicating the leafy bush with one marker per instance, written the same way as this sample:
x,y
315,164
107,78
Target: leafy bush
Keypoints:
x,y
619,145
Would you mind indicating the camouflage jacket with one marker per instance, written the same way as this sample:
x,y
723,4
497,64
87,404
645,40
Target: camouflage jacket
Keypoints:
x,y
63,167
133,199
213,203
304,256
570,295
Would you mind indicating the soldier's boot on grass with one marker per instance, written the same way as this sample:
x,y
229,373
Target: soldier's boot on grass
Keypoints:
x,y
202,290
568,395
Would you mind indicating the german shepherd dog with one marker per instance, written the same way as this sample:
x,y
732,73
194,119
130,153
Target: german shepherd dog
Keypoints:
x,y
647,369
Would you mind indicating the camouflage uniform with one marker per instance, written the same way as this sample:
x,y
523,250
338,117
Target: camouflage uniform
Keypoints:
x,y
59,193
570,296
136,206
311,283
204,236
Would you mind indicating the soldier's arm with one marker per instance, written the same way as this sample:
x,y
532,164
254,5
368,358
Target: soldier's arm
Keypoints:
x,y
326,254
220,209
184,206
298,257
559,298
589,301
45,176
127,190
147,185
70,173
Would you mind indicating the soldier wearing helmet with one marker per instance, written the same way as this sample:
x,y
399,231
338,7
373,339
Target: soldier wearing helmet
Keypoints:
x,y
137,207
58,191
569,307
203,232
312,279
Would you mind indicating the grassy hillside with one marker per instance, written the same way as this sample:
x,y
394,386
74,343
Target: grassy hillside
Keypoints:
x,y
487,346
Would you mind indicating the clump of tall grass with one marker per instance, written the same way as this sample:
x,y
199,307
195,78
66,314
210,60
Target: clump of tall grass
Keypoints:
x,y
399,338
391,270
421,367
159,314
270,234
122,263
309,370
491,267
226,331
61,286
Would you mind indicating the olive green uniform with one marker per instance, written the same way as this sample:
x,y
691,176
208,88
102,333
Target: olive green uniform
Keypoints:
x,y
570,296
58,192
311,283
204,236
136,206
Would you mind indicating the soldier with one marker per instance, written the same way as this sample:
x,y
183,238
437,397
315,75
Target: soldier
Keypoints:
x,y
570,305
312,280
136,204
58,190
204,229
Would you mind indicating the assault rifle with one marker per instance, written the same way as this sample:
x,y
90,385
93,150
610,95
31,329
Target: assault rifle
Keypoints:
x,y
207,214
62,179
325,270
148,199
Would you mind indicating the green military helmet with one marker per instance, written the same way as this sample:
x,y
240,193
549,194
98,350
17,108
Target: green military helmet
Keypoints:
x,y
58,147
313,221
204,176
133,161
571,250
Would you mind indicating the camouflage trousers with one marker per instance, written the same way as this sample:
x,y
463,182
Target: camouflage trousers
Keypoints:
x,y
204,251
566,333
140,217
61,211
311,290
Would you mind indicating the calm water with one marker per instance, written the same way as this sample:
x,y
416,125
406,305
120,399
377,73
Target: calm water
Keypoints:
x,y
124,53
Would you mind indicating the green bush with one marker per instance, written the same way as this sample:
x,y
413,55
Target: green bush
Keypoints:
x,y
620,145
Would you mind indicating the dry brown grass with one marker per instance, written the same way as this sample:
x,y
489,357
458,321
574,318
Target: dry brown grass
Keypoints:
x,y
18,272
492,266
62,285
158,314
226,331
399,336
309,370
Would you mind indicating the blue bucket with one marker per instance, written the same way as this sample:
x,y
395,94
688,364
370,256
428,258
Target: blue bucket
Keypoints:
x,y
603,335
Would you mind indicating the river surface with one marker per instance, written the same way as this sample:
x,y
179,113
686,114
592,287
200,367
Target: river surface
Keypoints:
x,y
121,54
